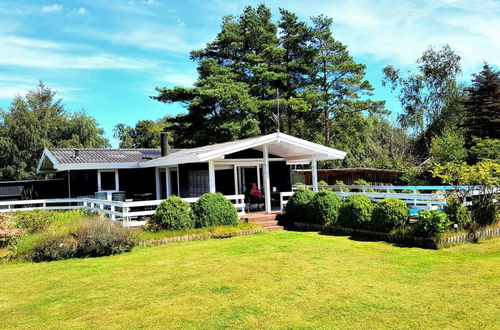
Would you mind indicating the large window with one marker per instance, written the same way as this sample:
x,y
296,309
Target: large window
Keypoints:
x,y
107,180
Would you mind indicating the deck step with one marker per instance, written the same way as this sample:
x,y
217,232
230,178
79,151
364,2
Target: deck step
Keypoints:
x,y
267,223
273,228
261,218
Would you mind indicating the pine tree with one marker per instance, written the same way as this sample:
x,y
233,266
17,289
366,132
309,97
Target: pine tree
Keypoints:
x,y
483,105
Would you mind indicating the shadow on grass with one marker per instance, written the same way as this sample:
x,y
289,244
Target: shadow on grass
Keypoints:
x,y
368,239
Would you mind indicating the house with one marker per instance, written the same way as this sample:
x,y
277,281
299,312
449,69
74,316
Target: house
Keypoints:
x,y
156,174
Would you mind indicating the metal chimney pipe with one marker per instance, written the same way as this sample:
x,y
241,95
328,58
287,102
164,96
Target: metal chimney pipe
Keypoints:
x,y
77,153
164,144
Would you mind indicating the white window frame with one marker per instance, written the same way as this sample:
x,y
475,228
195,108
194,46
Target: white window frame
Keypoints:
x,y
117,180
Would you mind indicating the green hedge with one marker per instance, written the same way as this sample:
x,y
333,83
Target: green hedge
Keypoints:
x,y
458,213
213,209
356,212
389,214
172,214
324,208
296,207
430,223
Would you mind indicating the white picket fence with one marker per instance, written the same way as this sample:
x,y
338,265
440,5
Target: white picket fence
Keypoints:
x,y
116,210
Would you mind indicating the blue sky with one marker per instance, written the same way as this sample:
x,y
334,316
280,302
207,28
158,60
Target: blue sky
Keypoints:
x,y
107,57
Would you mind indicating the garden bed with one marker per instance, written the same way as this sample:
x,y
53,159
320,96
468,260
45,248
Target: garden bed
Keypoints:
x,y
423,242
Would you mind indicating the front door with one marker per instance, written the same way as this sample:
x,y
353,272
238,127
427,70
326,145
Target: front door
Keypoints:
x,y
249,175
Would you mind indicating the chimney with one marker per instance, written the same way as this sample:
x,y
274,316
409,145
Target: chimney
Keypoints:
x,y
164,144
77,153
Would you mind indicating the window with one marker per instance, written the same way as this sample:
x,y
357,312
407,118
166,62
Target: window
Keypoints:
x,y
107,180
198,183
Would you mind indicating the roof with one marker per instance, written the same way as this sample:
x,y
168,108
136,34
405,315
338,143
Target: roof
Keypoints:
x,y
101,155
355,170
289,148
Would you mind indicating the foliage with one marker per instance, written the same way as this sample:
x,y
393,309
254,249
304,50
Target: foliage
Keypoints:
x,y
389,213
361,182
47,246
448,147
254,63
323,208
485,210
8,231
38,220
101,237
430,223
37,121
356,212
341,183
213,209
431,98
296,207
457,213
483,105
172,214
485,150
145,133
322,183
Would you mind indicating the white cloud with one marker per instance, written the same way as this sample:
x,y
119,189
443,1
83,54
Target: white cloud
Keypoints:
x,y
35,53
52,8
82,11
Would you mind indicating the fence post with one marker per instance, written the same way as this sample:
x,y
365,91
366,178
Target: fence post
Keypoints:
x,y
112,210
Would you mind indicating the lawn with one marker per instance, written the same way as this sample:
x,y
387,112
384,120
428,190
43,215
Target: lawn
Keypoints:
x,y
278,279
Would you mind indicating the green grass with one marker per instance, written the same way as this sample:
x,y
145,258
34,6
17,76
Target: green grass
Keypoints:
x,y
278,279
145,235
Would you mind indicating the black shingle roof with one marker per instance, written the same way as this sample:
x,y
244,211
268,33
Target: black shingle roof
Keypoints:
x,y
99,155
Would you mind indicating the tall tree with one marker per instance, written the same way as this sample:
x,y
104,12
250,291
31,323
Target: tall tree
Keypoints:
x,y
145,133
483,105
431,98
338,86
38,121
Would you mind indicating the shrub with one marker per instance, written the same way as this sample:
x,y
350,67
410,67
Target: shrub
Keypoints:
x,y
389,214
356,212
457,213
361,182
172,214
430,223
8,231
47,246
33,221
296,206
322,184
213,209
341,183
484,210
324,208
102,237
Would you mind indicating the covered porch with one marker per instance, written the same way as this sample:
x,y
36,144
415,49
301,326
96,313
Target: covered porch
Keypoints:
x,y
229,167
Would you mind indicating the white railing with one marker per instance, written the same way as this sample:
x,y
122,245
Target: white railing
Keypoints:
x,y
418,197
114,209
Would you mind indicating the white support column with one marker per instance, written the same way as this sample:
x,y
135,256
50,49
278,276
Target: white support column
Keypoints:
x,y
211,176
267,187
314,175
258,177
157,183
168,183
235,179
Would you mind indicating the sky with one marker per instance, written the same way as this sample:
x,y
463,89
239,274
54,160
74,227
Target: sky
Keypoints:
x,y
107,57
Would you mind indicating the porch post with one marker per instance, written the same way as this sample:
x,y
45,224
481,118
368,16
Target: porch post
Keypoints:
x,y
211,175
235,179
314,175
168,184
267,188
157,183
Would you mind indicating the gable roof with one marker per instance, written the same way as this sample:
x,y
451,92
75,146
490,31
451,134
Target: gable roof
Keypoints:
x,y
287,147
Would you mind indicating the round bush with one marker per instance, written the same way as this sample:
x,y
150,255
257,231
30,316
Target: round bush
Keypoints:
x,y
430,223
457,213
296,207
213,209
324,208
388,214
49,247
173,214
356,212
